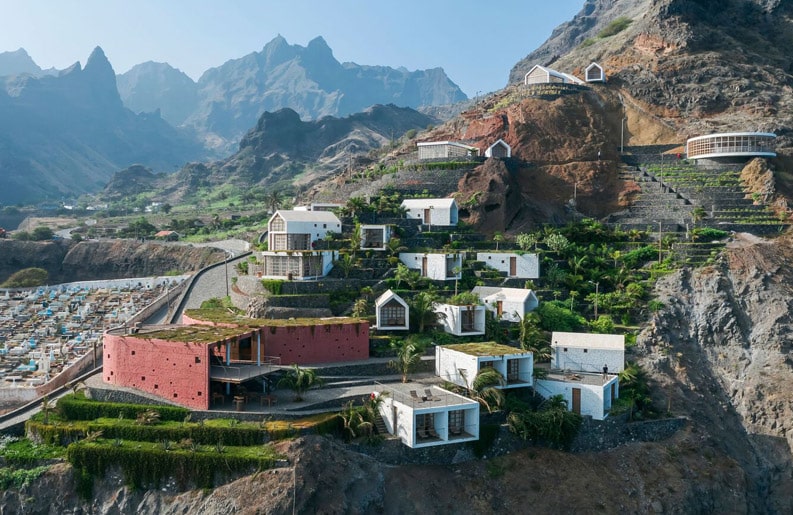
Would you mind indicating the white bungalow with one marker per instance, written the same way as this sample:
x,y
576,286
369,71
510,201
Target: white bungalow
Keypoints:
x,y
291,236
586,394
542,75
500,150
445,150
467,320
427,416
432,211
459,364
435,266
594,73
587,352
392,312
509,304
523,266
375,237
298,230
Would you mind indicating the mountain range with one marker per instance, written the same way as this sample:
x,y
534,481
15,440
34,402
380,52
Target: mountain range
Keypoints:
x,y
229,99
66,132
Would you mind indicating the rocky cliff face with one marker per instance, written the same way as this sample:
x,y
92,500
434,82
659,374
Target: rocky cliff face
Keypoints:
x,y
719,351
702,65
89,260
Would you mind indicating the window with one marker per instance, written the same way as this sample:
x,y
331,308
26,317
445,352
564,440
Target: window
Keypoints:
x,y
513,370
278,224
456,422
564,349
197,359
585,351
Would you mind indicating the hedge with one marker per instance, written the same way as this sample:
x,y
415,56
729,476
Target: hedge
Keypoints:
x,y
147,465
73,407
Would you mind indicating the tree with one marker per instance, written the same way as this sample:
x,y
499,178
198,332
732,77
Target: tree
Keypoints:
x,y
274,200
527,241
346,264
403,273
456,271
408,356
166,208
532,337
557,242
498,238
484,388
422,310
603,325
299,380
360,308
42,233
355,206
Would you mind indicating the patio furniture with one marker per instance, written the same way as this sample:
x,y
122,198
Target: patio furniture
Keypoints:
x,y
218,397
415,396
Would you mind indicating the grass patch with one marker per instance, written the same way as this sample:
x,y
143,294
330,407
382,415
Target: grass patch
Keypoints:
x,y
615,27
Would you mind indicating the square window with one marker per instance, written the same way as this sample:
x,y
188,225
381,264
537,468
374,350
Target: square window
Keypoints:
x,y
133,353
175,395
585,351
142,378
565,349
197,359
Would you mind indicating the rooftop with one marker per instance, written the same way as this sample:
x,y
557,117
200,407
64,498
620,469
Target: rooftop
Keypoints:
x,y
308,216
485,349
224,316
416,395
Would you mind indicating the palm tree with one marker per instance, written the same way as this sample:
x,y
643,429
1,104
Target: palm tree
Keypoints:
x,y
355,205
498,238
456,271
407,358
360,308
346,264
299,380
484,388
422,310
274,199
531,337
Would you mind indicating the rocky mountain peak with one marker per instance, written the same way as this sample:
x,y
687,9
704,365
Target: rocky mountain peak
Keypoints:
x,y
16,62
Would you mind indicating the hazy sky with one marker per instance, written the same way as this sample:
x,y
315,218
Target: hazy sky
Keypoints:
x,y
475,42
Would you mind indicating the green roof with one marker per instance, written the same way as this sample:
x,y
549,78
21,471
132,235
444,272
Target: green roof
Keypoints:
x,y
485,349
223,316
190,334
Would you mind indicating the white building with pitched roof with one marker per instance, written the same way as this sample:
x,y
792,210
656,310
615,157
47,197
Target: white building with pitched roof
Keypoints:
x,y
523,266
432,211
445,150
510,304
542,75
392,312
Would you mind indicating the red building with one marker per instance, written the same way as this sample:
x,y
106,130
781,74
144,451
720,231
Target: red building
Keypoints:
x,y
186,364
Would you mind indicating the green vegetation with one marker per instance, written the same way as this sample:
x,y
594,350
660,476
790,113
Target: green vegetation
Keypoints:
x,y
615,27
26,278
552,423
299,380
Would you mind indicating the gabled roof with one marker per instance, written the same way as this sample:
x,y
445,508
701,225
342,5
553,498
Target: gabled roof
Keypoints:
x,y
388,295
425,202
588,341
308,216
161,234
510,294
566,77
594,64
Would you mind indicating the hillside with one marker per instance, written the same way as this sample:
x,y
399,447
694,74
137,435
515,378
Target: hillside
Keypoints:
x,y
703,66
65,135
281,150
228,100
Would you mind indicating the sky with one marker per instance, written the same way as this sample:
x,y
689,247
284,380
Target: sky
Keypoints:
x,y
476,43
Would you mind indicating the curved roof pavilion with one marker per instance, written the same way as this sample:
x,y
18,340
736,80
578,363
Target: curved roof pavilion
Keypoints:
x,y
732,144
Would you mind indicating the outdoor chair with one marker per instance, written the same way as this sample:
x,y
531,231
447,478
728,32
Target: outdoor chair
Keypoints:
x,y
415,396
429,395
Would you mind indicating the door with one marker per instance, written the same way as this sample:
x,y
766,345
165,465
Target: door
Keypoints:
x,y
424,266
499,308
427,216
513,266
577,400
613,390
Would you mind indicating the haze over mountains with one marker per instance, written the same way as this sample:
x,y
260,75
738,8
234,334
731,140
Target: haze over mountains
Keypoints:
x,y
66,132
228,100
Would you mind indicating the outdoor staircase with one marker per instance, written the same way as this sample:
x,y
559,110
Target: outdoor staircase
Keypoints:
x,y
379,425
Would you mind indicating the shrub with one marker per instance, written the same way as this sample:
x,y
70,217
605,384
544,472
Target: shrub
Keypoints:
x,y
615,27
27,277
273,285
76,407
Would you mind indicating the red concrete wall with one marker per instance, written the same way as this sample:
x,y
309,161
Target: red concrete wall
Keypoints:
x,y
311,345
175,371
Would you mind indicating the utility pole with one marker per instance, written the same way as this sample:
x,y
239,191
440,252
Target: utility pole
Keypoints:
x,y
597,294
226,269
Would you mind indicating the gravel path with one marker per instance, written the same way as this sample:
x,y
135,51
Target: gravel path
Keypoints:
x,y
214,283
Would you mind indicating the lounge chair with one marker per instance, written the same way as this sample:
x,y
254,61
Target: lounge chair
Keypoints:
x,y
429,395
415,396
422,433
431,431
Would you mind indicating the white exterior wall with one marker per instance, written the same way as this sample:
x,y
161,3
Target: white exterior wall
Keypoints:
x,y
439,215
436,264
511,311
449,363
328,257
384,299
527,266
580,357
453,320
596,400
461,368
400,420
